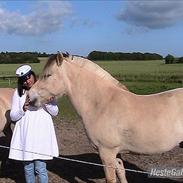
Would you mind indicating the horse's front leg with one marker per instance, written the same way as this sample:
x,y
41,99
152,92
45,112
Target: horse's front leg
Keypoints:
x,y
108,157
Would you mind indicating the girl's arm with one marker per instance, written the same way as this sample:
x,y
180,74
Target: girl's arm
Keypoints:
x,y
52,107
16,108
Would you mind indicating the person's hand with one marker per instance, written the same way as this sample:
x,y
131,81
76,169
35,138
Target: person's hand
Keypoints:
x,y
26,104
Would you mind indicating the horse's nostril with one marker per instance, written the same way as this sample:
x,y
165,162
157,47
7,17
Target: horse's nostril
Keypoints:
x,y
181,144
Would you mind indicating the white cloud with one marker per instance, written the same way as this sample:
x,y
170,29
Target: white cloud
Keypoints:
x,y
46,17
152,14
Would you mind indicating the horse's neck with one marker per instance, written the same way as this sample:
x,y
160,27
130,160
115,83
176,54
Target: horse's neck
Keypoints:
x,y
85,89
91,66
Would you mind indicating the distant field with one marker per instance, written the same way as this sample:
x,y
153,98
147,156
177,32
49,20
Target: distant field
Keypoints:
x,y
141,77
9,69
145,77
144,70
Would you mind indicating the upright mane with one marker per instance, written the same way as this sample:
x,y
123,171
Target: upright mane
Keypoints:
x,y
48,64
86,63
51,60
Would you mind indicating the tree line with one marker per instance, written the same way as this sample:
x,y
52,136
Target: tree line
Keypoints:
x,y
99,55
21,57
32,57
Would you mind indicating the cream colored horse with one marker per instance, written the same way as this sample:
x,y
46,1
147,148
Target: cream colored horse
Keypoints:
x,y
115,119
5,105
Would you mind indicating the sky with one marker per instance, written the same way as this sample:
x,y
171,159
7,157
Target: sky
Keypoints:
x,y
82,26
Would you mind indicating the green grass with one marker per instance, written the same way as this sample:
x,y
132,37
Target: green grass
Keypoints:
x,y
66,109
9,69
139,67
141,77
144,71
144,88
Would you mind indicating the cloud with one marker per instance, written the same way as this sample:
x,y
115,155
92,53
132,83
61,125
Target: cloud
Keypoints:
x,y
45,17
152,14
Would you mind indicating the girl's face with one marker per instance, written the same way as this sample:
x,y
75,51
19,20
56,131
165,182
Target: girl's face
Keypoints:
x,y
29,81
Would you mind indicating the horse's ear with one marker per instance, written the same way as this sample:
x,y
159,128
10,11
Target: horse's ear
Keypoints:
x,y
59,58
65,55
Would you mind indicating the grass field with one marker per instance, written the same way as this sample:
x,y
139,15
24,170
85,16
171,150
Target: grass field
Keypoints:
x,y
141,77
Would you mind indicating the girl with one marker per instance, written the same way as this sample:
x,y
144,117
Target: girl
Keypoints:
x,y
34,139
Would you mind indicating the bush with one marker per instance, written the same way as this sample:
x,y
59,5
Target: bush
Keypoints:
x,y
180,60
169,59
18,58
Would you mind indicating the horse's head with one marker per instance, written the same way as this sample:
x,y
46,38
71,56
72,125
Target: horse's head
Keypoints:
x,y
50,83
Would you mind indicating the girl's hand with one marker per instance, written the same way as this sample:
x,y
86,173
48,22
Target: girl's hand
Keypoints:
x,y
26,104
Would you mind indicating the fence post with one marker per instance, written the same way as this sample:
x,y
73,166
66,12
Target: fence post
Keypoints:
x,y
9,81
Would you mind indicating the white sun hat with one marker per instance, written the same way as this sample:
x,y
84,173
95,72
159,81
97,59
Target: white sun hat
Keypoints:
x,y
23,70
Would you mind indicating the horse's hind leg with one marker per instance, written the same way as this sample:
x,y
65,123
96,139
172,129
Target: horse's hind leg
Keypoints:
x,y
8,134
108,157
120,170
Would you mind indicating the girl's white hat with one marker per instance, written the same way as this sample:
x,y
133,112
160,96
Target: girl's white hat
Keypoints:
x,y
23,70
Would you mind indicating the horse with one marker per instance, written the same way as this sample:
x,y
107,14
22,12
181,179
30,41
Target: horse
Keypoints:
x,y
6,95
115,119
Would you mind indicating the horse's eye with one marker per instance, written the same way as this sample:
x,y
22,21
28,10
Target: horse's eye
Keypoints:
x,y
46,76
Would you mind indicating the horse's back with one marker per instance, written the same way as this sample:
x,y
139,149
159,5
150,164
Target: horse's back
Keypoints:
x,y
6,94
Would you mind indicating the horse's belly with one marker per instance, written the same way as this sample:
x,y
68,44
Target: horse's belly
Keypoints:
x,y
150,150
149,147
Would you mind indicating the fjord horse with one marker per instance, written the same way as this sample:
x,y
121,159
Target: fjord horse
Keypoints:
x,y
5,106
115,119
5,121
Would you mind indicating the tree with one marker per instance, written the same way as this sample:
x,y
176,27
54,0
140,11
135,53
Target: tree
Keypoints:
x,y
169,59
180,60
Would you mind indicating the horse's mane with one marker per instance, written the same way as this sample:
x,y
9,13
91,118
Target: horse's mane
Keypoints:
x,y
48,64
87,64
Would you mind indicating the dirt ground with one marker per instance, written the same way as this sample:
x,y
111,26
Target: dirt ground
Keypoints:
x,y
73,144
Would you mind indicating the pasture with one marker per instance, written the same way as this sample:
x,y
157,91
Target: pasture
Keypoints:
x,y
141,77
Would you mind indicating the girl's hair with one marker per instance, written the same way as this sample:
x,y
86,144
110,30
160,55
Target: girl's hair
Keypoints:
x,y
20,85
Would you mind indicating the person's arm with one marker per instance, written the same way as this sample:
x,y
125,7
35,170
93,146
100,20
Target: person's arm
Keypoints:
x,y
16,109
52,107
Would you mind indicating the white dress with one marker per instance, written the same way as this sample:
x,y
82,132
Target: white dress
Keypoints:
x,y
34,134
